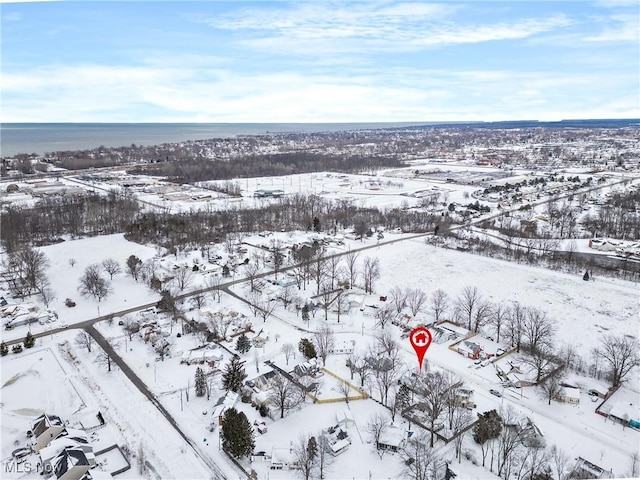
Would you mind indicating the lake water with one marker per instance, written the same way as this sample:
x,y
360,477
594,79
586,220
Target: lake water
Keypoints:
x,y
41,138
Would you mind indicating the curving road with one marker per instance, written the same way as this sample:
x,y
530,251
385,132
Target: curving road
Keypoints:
x,y
140,385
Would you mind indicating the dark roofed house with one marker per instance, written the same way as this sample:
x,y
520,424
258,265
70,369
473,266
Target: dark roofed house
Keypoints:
x,y
45,428
70,464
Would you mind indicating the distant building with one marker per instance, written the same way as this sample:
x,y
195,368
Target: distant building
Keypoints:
x,y
262,193
45,428
585,469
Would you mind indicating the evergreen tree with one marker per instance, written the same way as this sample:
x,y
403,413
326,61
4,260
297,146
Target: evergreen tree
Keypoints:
x,y
586,276
225,271
488,427
3,349
237,434
305,313
234,375
316,224
29,340
201,383
167,302
243,345
306,347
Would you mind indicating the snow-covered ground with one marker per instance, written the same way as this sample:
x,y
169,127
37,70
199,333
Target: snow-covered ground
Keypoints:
x,y
60,377
592,308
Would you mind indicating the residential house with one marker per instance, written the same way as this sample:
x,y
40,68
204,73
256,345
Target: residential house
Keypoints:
x,y
469,349
49,453
585,469
569,394
337,439
70,464
45,428
392,438
342,347
282,459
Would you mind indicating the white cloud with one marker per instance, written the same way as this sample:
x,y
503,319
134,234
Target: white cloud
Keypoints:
x,y
321,28
620,28
87,93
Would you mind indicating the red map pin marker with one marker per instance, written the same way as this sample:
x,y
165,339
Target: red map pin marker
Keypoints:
x,y
420,339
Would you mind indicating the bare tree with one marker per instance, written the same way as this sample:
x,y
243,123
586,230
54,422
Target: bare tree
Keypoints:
x,y
386,372
83,339
481,315
418,459
498,318
509,440
26,271
276,256
72,262
466,305
342,304
212,284
198,300
93,285
319,269
634,465
376,427
287,296
47,294
328,296
104,358
439,304
288,349
162,347
434,387
182,277
333,269
542,360
325,457
284,394
384,316
344,389
266,307
305,455
370,273
386,342
111,266
416,299
399,298
551,387
460,421
251,271
538,330
620,354
324,340
351,260
515,324
560,461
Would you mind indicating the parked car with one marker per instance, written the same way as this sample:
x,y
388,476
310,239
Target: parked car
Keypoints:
x,y
495,392
21,452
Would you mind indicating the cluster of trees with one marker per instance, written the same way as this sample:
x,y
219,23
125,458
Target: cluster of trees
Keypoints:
x,y
189,170
53,217
25,271
291,212
515,450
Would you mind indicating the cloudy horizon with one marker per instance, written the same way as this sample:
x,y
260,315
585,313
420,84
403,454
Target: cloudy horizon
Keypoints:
x,y
361,61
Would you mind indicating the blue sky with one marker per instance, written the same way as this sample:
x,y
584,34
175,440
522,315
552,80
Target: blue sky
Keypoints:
x,y
318,61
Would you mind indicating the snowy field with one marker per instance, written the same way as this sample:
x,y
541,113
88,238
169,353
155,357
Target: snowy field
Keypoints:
x,y
60,377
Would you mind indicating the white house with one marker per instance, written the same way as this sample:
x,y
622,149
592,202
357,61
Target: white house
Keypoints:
x,y
392,438
45,428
